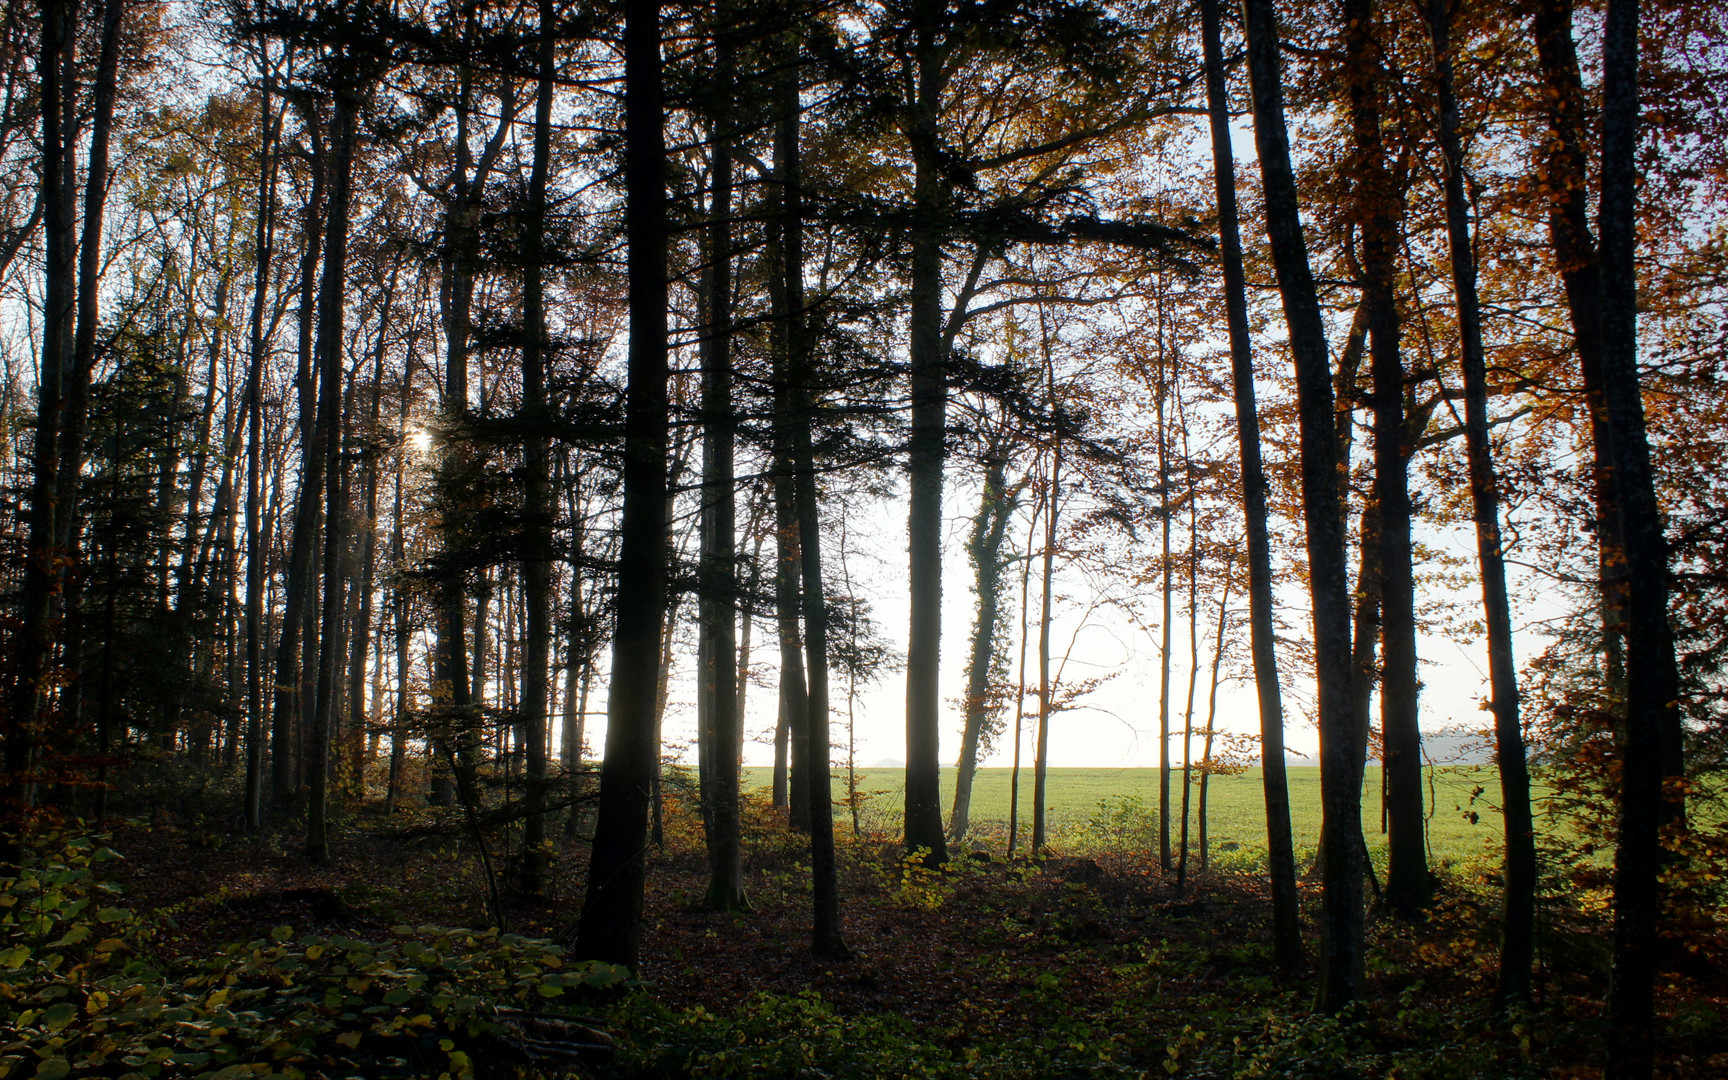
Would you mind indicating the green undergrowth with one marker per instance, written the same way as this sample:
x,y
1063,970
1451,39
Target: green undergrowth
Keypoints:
x,y
803,1036
83,991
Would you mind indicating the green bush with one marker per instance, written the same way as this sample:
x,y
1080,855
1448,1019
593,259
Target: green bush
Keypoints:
x,y
80,995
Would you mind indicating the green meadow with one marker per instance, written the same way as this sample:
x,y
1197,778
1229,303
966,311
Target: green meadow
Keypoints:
x,y
1118,808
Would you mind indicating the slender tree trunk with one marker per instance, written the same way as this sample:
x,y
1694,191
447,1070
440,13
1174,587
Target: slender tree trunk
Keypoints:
x,y
1580,268
70,314
1193,647
399,612
1518,914
42,568
288,706
1281,855
76,418
1046,689
1164,861
1652,678
924,464
1212,705
1020,680
360,634
924,529
611,923
1323,512
720,735
1378,209
792,734
984,547
260,355
536,706
826,939
328,438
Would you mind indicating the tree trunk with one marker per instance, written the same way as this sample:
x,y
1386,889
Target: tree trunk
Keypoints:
x,y
289,706
1323,513
360,634
328,447
255,551
989,529
924,530
1020,680
536,495
792,733
1052,508
611,924
1652,679
1212,705
1193,646
1518,914
1281,855
720,735
1580,268
1163,391
1378,208
826,940
70,313
399,612
924,460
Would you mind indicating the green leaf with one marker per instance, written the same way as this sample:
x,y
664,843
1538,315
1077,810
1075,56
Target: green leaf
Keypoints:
x,y
282,933
604,975
53,1069
397,996
56,1017
15,956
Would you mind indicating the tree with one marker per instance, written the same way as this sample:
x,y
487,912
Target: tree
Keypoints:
x,y
1323,515
1378,208
1518,916
1652,680
70,315
718,690
1281,857
610,928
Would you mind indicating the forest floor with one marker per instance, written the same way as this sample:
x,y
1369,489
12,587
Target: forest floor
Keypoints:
x,y
1074,965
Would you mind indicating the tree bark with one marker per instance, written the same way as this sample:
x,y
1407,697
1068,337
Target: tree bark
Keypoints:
x,y
826,939
1052,508
611,923
1378,208
723,727
344,120
1323,513
536,495
1193,647
288,706
255,554
1579,265
924,463
1518,912
70,313
1163,392
1648,764
989,530
1281,855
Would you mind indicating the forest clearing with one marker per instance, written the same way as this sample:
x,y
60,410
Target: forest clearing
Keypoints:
x,y
1119,808
478,479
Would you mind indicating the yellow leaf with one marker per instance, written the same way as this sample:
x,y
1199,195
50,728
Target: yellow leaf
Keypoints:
x,y
350,1039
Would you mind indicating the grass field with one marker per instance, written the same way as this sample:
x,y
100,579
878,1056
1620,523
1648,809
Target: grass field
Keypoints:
x,y
1119,807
